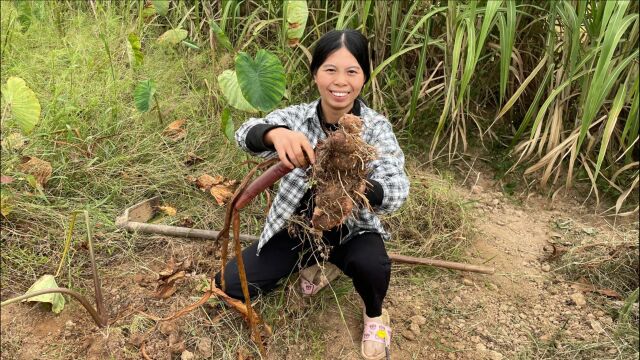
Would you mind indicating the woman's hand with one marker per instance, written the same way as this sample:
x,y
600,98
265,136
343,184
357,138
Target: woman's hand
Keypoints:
x,y
293,147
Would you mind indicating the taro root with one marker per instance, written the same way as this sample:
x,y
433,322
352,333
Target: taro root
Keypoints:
x,y
340,173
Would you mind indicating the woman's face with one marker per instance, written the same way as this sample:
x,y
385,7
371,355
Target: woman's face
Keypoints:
x,y
339,80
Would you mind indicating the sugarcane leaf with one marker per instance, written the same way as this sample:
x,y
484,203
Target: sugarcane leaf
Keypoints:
x,y
612,119
47,282
24,105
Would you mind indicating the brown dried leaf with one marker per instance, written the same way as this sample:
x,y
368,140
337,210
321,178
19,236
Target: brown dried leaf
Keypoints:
x,y
5,179
206,181
175,131
222,193
192,159
39,168
171,211
164,291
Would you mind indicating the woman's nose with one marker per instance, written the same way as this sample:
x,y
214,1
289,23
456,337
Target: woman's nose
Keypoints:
x,y
339,79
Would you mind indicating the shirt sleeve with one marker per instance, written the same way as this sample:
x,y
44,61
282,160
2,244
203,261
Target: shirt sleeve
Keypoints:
x,y
388,168
279,118
255,137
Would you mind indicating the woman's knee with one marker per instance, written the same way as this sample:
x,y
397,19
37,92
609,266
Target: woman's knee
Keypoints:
x,y
362,263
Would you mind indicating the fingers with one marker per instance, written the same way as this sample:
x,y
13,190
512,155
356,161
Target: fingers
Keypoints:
x,y
306,147
282,155
294,150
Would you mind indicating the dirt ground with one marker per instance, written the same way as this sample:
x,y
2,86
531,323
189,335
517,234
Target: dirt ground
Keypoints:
x,y
526,310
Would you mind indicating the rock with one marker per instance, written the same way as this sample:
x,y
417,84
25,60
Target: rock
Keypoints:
x,y
415,328
480,347
495,202
187,355
494,355
476,189
69,324
418,319
578,299
204,347
492,286
595,325
408,335
546,267
467,282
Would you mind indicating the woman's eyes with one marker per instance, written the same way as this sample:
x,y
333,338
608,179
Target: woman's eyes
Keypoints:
x,y
350,72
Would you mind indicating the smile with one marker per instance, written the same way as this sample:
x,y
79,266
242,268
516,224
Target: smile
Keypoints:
x,y
339,94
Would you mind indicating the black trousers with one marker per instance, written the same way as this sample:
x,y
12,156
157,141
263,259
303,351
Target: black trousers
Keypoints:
x,y
363,258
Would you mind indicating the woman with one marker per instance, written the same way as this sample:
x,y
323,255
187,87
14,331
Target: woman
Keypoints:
x,y
340,68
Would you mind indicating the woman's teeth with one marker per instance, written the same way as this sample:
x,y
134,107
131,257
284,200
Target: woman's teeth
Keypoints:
x,y
339,94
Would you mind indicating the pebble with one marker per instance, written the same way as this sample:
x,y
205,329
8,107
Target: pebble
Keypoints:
x,y
480,347
415,328
418,319
595,325
492,286
476,189
467,282
578,298
495,202
187,355
494,355
546,267
409,335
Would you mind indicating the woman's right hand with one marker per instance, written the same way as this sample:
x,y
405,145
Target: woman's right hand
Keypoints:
x,y
293,147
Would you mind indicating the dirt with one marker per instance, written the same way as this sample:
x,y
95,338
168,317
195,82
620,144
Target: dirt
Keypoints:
x,y
525,310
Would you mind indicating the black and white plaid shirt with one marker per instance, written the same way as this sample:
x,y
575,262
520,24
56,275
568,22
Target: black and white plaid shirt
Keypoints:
x,y
387,169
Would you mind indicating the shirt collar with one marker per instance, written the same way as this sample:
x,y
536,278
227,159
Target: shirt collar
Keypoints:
x,y
355,110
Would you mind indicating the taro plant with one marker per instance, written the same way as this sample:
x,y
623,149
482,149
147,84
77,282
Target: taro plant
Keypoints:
x,y
256,84
21,102
144,94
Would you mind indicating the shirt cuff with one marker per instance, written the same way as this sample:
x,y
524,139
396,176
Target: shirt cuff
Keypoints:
x,y
255,137
374,193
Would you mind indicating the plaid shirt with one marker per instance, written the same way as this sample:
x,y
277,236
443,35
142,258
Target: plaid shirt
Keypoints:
x,y
387,169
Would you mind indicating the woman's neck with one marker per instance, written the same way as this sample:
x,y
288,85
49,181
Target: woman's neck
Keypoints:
x,y
331,116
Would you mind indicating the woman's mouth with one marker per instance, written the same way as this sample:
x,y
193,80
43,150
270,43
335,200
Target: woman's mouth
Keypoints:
x,y
339,94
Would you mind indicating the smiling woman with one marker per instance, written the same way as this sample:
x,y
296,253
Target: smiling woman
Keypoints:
x,y
340,68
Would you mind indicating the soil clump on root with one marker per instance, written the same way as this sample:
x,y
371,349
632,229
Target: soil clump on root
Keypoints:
x,y
340,174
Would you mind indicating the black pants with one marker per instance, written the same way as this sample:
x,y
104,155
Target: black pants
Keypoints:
x,y
363,258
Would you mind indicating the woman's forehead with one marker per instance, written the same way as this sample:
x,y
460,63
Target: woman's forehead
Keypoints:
x,y
341,58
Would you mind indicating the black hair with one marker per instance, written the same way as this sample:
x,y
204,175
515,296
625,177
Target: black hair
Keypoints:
x,y
334,40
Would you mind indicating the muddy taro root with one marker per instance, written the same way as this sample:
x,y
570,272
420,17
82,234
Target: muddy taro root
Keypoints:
x,y
340,173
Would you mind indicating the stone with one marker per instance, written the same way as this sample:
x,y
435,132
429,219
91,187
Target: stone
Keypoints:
x,y
418,319
187,355
492,286
495,202
578,299
494,355
467,282
476,189
596,326
480,347
409,335
415,328
546,267
204,347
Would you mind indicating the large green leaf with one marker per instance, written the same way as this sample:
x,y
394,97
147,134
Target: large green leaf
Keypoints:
x,y
226,124
262,80
143,94
25,107
297,14
231,90
221,37
47,282
134,50
173,37
161,6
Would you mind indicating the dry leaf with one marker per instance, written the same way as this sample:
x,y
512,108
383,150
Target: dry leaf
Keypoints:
x,y
40,169
205,181
5,179
170,276
171,211
222,193
175,131
164,291
192,159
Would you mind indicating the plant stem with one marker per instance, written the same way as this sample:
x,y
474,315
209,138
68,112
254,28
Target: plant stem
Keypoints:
x,y
96,279
101,321
155,98
67,242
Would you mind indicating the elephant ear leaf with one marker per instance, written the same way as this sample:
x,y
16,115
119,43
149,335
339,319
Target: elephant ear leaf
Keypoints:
x,y
231,90
221,37
143,95
297,14
262,80
161,6
47,282
24,105
134,50
173,37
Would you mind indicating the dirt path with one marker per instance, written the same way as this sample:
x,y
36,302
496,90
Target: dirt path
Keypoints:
x,y
525,311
